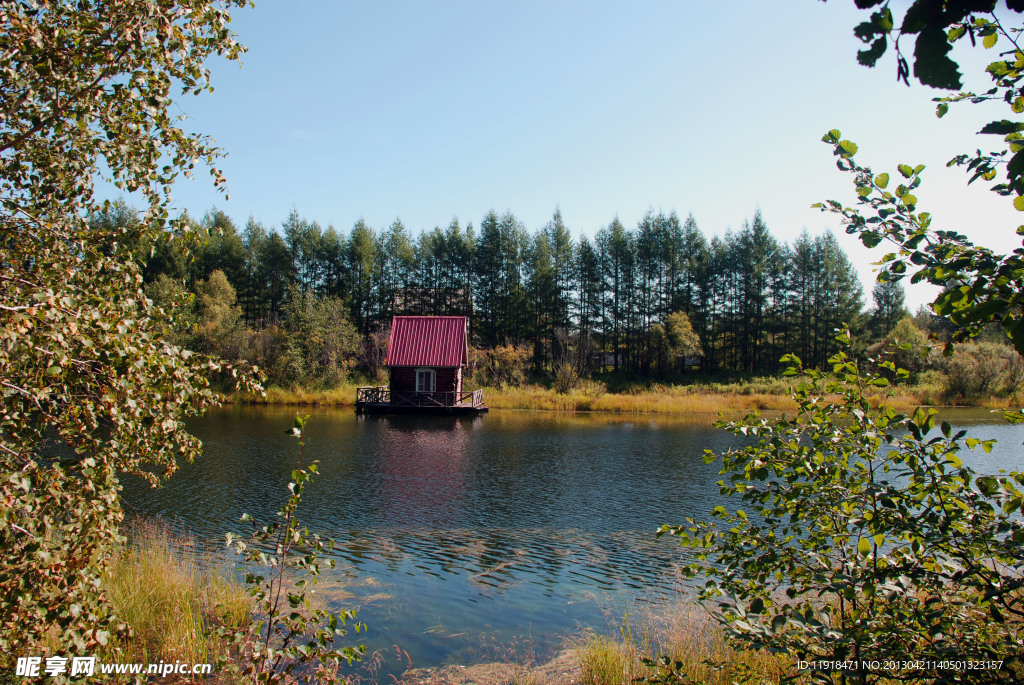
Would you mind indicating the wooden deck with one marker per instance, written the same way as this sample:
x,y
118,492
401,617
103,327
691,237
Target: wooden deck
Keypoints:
x,y
380,400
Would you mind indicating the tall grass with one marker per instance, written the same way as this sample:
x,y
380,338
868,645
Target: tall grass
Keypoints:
x,y
683,636
341,395
704,397
171,594
655,401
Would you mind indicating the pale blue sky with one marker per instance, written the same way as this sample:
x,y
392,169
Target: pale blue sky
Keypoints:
x,y
427,111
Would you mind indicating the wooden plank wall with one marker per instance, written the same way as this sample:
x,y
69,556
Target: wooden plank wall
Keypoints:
x,y
403,378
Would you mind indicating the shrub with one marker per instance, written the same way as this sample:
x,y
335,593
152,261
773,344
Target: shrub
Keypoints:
x,y
865,538
983,368
504,365
566,379
291,641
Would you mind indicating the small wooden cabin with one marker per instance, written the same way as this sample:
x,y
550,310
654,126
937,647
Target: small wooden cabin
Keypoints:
x,y
426,359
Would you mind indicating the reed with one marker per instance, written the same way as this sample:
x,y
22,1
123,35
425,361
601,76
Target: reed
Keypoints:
x,y
172,595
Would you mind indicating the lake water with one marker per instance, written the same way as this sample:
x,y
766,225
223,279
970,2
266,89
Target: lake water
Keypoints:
x,y
466,539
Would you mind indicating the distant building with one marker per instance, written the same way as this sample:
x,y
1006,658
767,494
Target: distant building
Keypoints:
x,y
426,359
427,354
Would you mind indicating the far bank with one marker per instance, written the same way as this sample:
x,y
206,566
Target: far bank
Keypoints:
x,y
704,398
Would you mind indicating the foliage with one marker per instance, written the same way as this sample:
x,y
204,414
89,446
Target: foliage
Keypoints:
x,y
908,347
674,341
591,305
865,537
930,22
292,639
937,26
571,354
217,329
504,365
983,368
89,385
889,300
566,378
978,285
321,339
682,340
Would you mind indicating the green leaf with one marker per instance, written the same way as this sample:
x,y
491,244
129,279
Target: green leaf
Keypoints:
x,y
870,56
932,67
924,419
882,180
1015,167
1002,127
864,547
988,485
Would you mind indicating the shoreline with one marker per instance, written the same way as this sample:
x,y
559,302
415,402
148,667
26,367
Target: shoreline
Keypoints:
x,y
668,400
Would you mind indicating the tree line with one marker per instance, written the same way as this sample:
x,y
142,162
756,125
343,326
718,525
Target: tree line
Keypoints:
x,y
596,304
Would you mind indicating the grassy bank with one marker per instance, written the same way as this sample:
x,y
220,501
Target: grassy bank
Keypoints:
x,y
684,634
768,394
172,595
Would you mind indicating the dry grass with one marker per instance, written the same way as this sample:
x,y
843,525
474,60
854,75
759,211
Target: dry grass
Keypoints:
x,y
168,592
342,395
761,394
679,399
646,402
683,635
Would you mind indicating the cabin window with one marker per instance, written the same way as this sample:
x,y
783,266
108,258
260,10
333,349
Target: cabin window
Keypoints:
x,y
424,380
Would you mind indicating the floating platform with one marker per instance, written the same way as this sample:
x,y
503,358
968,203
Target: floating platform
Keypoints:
x,y
380,400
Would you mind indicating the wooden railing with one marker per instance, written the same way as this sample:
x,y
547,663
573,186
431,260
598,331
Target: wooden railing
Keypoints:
x,y
373,395
382,395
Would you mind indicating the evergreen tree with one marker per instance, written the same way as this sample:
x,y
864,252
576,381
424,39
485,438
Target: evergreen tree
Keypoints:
x,y
394,269
362,268
889,306
541,289
304,241
617,256
589,285
332,253
219,246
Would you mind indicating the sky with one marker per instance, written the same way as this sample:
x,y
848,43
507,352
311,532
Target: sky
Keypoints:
x,y
430,111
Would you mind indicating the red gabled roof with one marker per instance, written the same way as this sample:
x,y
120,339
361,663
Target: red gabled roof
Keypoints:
x,y
427,341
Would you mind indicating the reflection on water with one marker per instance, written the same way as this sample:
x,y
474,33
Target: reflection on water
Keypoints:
x,y
453,531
